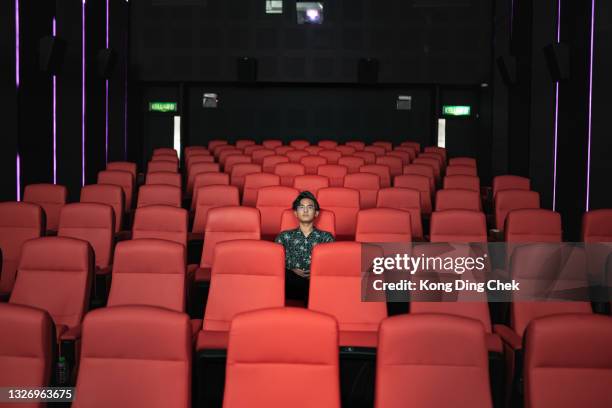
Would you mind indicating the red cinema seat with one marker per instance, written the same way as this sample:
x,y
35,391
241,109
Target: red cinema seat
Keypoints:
x,y
19,222
149,272
456,199
346,150
165,158
234,160
242,143
352,163
295,156
462,182
462,161
368,157
164,177
254,273
94,223
282,150
310,183
403,156
208,179
221,148
50,197
422,170
395,164
299,144
209,197
367,184
509,200
212,144
412,153
299,365
143,347
326,221
26,350
439,150
335,289
597,226
509,182
161,151
334,172
381,171
159,194
269,162
259,155
533,225
55,274
568,362
198,158
162,165
388,146
271,202
458,226
457,170
404,199
123,166
252,184
421,184
122,179
433,163
332,156
240,171
312,163
327,144
418,352
252,148
288,171
106,194
415,145
190,150
344,203
272,143
161,222
377,150
226,224
356,144
199,168
383,225
225,154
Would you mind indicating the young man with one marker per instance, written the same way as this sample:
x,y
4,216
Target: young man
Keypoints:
x,y
298,245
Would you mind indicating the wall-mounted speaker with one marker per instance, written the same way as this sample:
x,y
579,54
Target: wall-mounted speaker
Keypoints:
x,y
51,54
105,61
246,69
507,69
558,60
367,71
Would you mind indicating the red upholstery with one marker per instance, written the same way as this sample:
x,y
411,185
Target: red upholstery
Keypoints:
x,y
26,349
161,222
403,199
212,197
344,203
334,172
190,150
225,154
597,226
335,289
242,143
346,150
435,149
134,351
199,168
299,144
388,146
436,156
394,163
381,171
149,272
313,150
240,171
259,155
368,157
159,194
509,182
217,142
55,274
250,149
208,179
458,226
327,144
456,199
288,171
122,179
172,158
419,183
271,202
164,177
19,222
272,143
106,194
123,166
326,221
403,156
416,146
221,148
383,225
254,273
305,374
358,145
433,163
94,223
509,200
252,184
165,151
377,150
296,155
412,152
312,163
422,170
233,160
533,225
417,353
282,150
569,368
352,163
50,197
332,156
199,158
269,162
462,182
462,161
457,170
162,165
367,184
310,183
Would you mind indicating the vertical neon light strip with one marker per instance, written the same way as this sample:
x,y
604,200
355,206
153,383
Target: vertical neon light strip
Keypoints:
x,y
18,158
107,46
54,116
554,199
588,186
83,93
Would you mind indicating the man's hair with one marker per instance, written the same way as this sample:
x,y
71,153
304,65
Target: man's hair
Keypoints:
x,y
303,195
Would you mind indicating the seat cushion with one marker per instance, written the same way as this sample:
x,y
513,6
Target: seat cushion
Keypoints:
x,y
210,339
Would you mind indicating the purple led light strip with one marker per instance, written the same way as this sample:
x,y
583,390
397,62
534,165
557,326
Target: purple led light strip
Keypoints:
x,y
83,93
588,186
18,158
54,117
554,199
107,46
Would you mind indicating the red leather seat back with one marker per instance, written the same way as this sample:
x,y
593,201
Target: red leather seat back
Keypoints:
x,y
331,155
299,144
383,225
419,183
162,165
404,157
377,150
50,197
456,199
165,151
388,146
295,156
352,163
334,172
597,226
198,158
212,197
422,170
235,159
458,170
404,199
509,182
213,144
208,179
435,149
345,150
159,194
307,373
270,161
259,155
416,353
367,184
272,143
161,222
412,152
462,161
344,203
462,182
458,226
123,166
252,184
415,145
433,163
533,225
368,157
271,202
509,200
240,171
149,272
326,221
327,144
19,222
164,177
312,163
253,272
106,194
94,223
358,145
381,171
395,165
310,183
143,347
198,168
281,150
223,156
242,143
288,171
122,179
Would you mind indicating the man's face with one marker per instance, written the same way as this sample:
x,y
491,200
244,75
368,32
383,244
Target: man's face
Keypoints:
x,y
306,211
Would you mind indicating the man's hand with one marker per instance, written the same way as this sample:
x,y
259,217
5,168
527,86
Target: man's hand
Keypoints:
x,y
302,273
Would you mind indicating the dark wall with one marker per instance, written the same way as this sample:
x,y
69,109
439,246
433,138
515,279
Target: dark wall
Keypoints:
x,y
117,85
416,41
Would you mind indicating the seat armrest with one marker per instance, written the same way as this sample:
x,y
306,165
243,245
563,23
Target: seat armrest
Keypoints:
x,y
508,336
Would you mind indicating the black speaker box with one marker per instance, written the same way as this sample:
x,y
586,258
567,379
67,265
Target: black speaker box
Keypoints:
x,y
558,60
246,69
367,71
507,69
51,54
105,61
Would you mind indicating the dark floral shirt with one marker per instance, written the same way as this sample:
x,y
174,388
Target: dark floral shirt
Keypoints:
x,y
298,247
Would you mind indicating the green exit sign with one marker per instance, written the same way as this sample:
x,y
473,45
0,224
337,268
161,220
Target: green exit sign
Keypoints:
x,y
456,110
163,107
